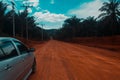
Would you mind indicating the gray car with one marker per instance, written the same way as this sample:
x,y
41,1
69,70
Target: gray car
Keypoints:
x,y
17,61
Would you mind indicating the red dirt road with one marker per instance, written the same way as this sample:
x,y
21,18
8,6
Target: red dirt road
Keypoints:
x,y
66,61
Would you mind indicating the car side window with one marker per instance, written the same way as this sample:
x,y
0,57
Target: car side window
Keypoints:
x,y
8,50
22,48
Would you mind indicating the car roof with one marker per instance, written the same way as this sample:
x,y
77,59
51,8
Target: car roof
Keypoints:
x,y
7,39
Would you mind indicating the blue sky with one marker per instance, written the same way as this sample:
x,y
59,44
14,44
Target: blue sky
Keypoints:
x,y
52,13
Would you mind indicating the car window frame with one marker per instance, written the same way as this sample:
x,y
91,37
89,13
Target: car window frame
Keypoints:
x,y
6,57
18,48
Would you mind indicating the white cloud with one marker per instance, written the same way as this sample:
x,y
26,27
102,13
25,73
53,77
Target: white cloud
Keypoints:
x,y
29,10
55,26
87,9
38,8
9,7
50,17
52,2
21,11
34,3
51,25
51,20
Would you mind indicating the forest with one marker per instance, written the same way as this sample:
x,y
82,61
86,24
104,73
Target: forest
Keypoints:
x,y
19,24
106,24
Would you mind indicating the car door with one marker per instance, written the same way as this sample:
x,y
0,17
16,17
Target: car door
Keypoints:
x,y
11,64
26,55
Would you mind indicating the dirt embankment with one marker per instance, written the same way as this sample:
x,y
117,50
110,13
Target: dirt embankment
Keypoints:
x,y
67,61
111,43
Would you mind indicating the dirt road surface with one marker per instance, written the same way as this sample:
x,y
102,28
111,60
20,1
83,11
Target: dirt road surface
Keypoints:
x,y
67,61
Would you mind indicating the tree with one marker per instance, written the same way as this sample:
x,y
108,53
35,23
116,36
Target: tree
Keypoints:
x,y
8,28
111,12
3,8
73,25
89,27
22,18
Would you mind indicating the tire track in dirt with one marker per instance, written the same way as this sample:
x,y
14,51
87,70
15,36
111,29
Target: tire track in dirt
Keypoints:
x,y
65,61
63,67
99,64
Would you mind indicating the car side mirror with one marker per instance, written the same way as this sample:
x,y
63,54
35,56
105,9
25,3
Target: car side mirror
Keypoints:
x,y
31,50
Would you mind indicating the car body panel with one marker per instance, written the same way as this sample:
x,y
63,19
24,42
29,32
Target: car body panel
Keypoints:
x,y
17,67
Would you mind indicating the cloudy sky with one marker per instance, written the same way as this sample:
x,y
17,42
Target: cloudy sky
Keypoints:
x,y
52,13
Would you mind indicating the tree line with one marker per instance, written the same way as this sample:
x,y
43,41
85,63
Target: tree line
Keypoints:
x,y
106,24
22,21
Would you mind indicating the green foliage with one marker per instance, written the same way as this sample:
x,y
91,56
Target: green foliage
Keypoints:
x,y
3,7
75,27
23,22
107,23
111,15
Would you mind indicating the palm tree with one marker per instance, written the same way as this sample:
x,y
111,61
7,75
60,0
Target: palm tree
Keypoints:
x,y
89,26
73,24
111,8
111,12
3,7
22,16
8,28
